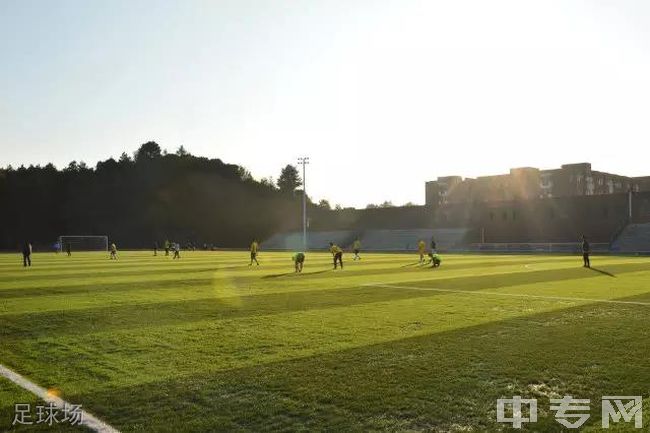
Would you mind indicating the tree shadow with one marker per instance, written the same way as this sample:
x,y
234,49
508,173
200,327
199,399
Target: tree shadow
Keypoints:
x,y
609,274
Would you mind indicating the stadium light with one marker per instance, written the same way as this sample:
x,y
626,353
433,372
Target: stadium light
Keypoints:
x,y
304,161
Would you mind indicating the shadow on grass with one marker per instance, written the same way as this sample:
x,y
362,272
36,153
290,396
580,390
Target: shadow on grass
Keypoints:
x,y
410,264
176,277
600,271
102,318
434,382
286,274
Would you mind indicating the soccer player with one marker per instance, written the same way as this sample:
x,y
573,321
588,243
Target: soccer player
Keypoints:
x,y
421,247
68,248
177,250
298,260
113,255
585,252
155,248
167,245
337,253
435,260
433,245
356,247
254,247
27,254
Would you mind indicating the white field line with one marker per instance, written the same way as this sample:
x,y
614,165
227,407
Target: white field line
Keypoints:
x,y
87,419
511,295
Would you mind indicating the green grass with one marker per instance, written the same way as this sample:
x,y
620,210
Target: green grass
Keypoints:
x,y
207,343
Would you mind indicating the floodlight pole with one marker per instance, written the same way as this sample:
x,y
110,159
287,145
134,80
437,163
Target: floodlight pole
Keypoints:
x,y
304,161
629,203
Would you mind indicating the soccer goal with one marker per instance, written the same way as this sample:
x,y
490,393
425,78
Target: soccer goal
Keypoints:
x,y
83,243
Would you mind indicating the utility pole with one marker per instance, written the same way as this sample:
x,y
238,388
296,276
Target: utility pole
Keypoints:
x,y
629,203
304,161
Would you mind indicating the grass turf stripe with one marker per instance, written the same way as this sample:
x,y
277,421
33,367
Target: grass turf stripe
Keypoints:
x,y
87,419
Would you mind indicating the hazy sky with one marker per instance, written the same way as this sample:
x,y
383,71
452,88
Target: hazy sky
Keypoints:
x,y
382,95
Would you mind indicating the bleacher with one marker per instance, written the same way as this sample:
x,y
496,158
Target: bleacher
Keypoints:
x,y
635,238
315,240
371,240
407,240
537,247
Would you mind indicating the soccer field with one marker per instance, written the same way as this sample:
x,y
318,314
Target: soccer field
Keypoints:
x,y
207,343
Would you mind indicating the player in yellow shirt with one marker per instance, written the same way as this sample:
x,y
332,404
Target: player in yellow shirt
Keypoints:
x,y
254,247
356,247
421,249
337,253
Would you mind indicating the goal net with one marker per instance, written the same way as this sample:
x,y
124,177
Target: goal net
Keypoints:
x,y
83,243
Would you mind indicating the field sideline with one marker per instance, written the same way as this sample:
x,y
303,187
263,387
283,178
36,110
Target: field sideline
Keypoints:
x,y
207,343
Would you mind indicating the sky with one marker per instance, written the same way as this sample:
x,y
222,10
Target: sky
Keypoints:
x,y
381,95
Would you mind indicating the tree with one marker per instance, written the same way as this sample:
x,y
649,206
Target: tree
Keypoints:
x,y
338,207
125,158
73,166
324,204
371,206
182,152
191,198
242,172
148,151
268,182
289,179
387,203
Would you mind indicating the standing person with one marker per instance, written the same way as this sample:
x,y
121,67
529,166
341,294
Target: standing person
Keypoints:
x,y
298,260
27,254
254,247
433,245
586,249
356,248
177,250
166,247
68,248
421,248
337,253
155,248
113,255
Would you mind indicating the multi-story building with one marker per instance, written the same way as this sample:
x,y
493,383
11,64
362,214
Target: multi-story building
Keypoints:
x,y
530,183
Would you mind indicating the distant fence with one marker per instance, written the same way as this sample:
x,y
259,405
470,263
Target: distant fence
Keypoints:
x,y
537,247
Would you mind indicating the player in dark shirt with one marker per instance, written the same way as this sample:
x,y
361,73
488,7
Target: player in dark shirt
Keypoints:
x,y
585,252
27,254
298,260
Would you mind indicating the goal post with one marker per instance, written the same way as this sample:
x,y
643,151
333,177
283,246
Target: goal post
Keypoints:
x,y
83,243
